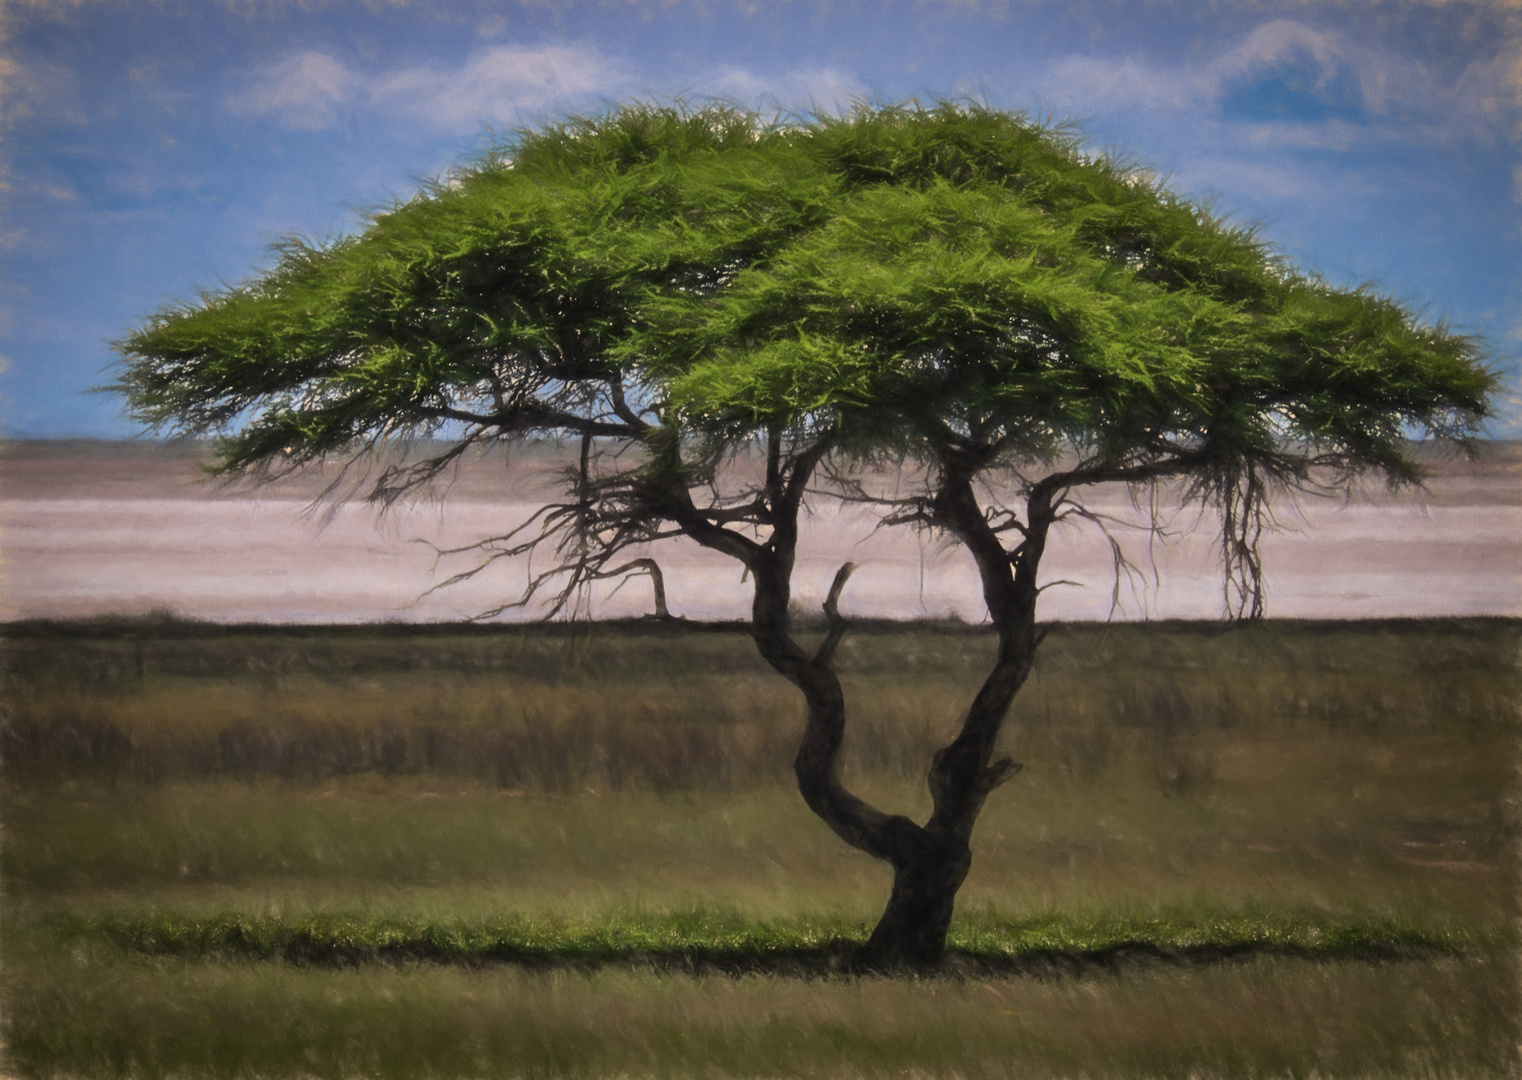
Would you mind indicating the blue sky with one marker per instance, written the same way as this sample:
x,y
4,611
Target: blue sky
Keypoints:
x,y
154,149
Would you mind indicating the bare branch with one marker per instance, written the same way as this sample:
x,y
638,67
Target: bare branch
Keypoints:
x,y
1002,520
1100,472
621,406
837,624
1000,772
832,601
531,417
802,472
657,581
1121,565
1243,500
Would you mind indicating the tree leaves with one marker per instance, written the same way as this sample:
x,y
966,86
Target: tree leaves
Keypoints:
x,y
909,267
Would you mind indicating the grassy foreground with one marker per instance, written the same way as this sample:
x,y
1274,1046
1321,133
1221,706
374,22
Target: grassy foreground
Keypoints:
x,y
1280,850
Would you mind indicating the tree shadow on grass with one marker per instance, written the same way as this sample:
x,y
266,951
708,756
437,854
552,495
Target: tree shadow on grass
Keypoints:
x,y
819,959
851,959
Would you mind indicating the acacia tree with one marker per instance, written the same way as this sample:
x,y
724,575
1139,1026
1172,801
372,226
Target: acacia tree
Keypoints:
x,y
680,292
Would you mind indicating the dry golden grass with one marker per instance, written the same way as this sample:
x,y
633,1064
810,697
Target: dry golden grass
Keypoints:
x,y
1266,1017
1305,772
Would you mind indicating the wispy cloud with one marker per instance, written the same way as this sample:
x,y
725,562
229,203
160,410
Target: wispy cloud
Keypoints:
x,y
32,87
509,84
1274,42
1086,83
1299,84
505,84
827,89
1236,172
306,90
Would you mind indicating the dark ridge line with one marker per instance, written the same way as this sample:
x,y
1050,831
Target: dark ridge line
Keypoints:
x,y
175,627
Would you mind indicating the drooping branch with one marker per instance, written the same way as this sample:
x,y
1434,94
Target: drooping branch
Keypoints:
x,y
1243,499
397,480
1122,568
657,581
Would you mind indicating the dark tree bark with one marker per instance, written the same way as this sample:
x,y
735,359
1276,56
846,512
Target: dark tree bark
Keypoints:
x,y
657,581
930,861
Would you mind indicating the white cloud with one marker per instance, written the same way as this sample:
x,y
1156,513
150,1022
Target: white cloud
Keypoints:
x,y
1081,83
1491,91
504,84
826,89
1274,43
1265,177
1394,93
305,90
1336,134
509,84
33,88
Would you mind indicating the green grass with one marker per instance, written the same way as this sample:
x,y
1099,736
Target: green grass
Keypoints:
x,y
701,940
1280,850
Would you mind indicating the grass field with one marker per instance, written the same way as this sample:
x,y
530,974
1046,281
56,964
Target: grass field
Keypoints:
x,y
1275,850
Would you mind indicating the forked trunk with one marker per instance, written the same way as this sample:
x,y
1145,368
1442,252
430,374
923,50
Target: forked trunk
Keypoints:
x,y
929,861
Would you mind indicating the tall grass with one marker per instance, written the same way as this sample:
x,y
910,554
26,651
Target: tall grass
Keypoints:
x,y
1267,1017
558,709
194,814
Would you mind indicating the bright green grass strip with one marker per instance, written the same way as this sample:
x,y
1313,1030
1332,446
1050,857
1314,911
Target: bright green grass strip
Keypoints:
x,y
705,937
1061,935
341,938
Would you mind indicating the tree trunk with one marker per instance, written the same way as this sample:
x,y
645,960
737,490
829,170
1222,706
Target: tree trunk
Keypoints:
x,y
929,861
912,930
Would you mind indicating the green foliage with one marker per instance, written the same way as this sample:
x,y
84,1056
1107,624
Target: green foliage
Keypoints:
x,y
953,285
899,272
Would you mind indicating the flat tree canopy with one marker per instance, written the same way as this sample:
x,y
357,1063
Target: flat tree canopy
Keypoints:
x,y
951,287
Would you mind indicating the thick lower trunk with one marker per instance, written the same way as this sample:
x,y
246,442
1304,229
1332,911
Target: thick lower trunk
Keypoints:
x,y
913,927
929,861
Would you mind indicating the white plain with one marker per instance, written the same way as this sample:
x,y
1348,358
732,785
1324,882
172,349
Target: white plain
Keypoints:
x,y
89,528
